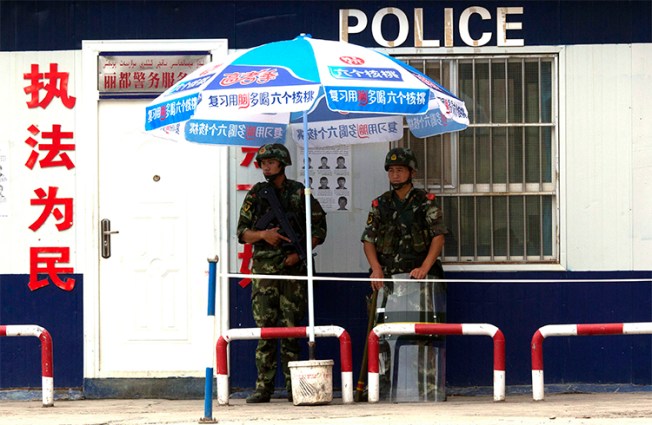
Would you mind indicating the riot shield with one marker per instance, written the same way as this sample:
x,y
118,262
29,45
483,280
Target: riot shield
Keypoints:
x,y
412,367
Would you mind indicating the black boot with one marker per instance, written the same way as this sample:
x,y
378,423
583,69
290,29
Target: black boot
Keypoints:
x,y
259,396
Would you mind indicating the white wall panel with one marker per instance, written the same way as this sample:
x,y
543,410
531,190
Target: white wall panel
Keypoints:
x,y
602,143
642,156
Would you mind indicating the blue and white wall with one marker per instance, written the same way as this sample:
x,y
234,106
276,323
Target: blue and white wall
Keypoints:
x,y
605,194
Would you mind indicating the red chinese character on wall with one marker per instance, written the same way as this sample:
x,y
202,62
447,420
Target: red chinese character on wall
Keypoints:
x,y
53,149
245,256
181,75
44,260
247,253
49,201
167,79
154,80
110,82
250,155
56,86
124,81
139,79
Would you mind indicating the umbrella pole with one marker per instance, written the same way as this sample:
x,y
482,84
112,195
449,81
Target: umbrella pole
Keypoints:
x,y
306,178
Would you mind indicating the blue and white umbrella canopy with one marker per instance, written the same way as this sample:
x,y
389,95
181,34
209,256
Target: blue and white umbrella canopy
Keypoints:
x,y
326,92
249,98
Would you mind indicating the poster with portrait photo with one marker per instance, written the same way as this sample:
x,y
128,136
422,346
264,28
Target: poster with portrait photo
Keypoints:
x,y
330,175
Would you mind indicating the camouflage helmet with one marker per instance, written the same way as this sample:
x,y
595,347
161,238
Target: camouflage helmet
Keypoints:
x,y
401,156
274,151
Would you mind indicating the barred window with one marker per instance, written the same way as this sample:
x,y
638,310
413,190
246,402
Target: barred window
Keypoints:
x,y
496,181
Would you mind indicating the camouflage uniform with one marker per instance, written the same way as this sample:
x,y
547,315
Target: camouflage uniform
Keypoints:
x,y
402,231
278,302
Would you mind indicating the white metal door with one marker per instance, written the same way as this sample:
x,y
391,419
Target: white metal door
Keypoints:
x,y
161,198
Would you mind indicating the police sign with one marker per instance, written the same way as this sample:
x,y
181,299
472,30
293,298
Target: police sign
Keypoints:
x,y
447,25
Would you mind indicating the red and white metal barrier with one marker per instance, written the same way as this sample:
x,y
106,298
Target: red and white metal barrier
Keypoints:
x,y
575,330
293,332
437,329
47,377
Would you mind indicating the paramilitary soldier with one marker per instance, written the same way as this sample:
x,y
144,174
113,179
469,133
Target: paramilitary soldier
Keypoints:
x,y
277,302
404,232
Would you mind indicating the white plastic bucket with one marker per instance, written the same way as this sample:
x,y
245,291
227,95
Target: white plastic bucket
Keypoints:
x,y
312,382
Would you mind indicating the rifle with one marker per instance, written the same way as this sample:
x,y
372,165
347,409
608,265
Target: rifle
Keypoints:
x,y
283,218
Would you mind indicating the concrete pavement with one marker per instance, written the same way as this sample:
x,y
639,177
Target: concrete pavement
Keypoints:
x,y
556,409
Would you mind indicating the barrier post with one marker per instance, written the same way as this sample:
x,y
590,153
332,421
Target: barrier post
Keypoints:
x,y
536,344
208,383
346,361
437,329
47,367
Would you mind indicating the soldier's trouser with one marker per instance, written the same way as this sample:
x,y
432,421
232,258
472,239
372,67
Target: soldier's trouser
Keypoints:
x,y
277,303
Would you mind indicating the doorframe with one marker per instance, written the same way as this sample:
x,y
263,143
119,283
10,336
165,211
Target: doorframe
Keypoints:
x,y
87,128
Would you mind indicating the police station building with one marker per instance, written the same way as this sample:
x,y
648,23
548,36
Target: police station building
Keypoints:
x,y
105,231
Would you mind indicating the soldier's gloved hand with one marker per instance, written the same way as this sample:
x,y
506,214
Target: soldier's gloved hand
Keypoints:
x,y
291,259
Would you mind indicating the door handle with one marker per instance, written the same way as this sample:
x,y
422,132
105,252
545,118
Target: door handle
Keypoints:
x,y
105,237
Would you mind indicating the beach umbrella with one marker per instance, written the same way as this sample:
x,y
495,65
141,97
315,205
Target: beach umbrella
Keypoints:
x,y
323,92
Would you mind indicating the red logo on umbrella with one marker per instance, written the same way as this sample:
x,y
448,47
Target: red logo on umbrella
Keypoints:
x,y
448,107
352,60
262,76
363,98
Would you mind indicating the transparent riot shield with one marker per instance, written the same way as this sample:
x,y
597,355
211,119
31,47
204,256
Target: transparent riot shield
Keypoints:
x,y
412,368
